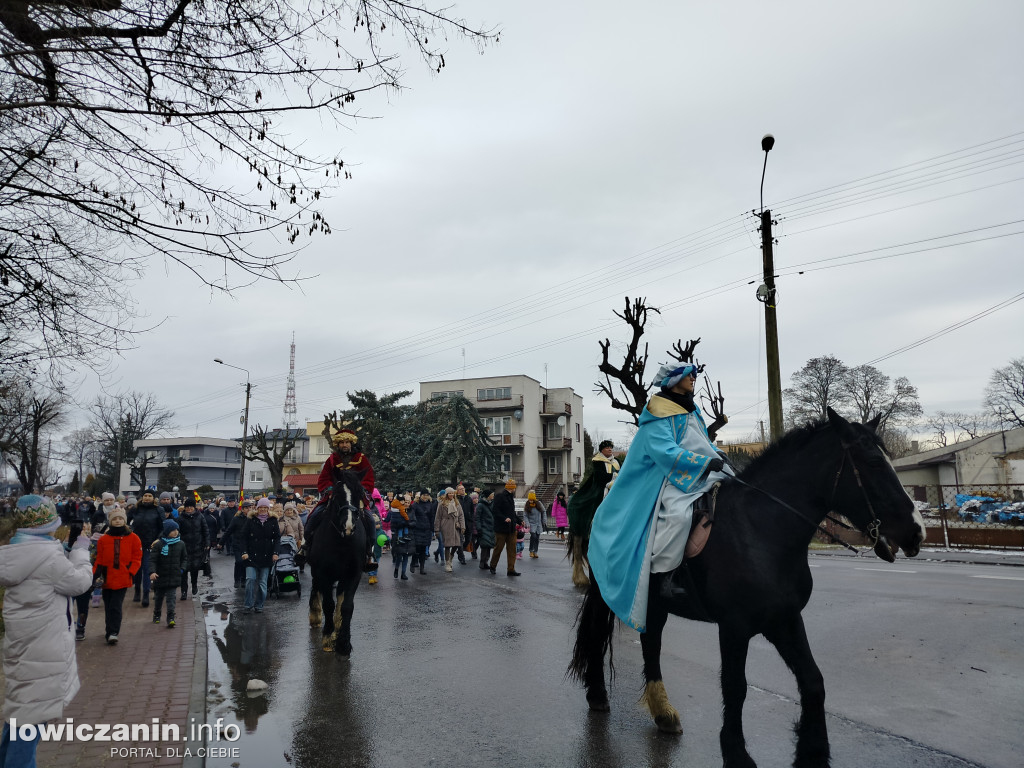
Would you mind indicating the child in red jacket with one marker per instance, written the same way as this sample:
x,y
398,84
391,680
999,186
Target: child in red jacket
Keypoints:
x,y
118,558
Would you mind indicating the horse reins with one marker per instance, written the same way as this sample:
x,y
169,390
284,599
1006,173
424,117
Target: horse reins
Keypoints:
x,y
873,527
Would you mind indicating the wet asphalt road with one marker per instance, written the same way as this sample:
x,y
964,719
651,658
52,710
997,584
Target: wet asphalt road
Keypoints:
x,y
468,669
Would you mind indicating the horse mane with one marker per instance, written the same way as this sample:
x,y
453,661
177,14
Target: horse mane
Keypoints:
x,y
795,439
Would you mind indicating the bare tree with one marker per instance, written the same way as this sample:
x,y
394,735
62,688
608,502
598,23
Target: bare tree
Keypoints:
x,y
271,447
132,131
815,388
1004,395
629,377
870,392
28,414
950,427
118,421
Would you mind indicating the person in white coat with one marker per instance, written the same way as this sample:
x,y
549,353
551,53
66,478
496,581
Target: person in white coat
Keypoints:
x,y
39,643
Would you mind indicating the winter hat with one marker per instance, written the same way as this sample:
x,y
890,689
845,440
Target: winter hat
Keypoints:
x,y
531,496
131,501
264,502
291,504
166,496
510,484
670,375
107,497
375,494
188,501
448,490
118,514
169,526
38,513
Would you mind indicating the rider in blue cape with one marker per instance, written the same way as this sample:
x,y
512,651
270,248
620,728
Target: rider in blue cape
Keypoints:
x,y
642,525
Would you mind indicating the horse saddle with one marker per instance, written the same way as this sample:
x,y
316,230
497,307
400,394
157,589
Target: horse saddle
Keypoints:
x,y
700,528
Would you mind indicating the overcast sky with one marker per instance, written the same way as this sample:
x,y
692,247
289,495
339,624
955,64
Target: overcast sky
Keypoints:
x,y
500,211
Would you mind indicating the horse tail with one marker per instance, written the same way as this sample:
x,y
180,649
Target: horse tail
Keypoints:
x,y
569,546
595,624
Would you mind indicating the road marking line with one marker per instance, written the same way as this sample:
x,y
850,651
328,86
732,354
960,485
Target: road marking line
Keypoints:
x,y
884,570
1002,578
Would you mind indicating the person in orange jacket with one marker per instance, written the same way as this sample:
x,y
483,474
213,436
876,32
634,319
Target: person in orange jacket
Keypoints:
x,y
118,558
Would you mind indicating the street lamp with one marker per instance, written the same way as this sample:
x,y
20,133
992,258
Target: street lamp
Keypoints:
x,y
767,295
245,426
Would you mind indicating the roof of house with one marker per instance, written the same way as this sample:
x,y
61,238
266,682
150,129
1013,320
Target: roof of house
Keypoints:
x,y
947,453
300,481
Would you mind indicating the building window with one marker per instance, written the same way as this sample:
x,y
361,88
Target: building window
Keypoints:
x,y
322,447
554,430
502,464
579,466
554,465
446,395
577,432
495,393
256,476
184,454
498,425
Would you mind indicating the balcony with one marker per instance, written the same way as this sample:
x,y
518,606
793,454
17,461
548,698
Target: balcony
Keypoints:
x,y
556,444
516,401
555,408
515,440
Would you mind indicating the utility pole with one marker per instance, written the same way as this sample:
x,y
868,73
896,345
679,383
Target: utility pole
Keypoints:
x,y
766,293
245,425
245,432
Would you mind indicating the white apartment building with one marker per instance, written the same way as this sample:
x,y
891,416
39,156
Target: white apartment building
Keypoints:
x,y
538,430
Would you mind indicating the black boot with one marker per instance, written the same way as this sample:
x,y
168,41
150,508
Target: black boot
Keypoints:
x,y
673,584
138,595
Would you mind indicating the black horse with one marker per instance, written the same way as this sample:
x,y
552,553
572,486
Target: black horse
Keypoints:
x,y
753,577
336,562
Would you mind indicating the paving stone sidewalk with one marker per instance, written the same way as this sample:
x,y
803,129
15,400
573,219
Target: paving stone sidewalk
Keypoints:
x,y
152,672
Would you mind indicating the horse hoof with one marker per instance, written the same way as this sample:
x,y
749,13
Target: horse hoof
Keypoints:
x,y
669,723
599,704
328,647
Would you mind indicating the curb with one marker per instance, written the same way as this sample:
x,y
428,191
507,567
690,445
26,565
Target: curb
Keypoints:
x,y
944,556
197,694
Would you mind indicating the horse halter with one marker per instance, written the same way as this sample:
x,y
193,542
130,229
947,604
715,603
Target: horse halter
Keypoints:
x,y
874,527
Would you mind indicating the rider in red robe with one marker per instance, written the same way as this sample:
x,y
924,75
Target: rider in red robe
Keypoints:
x,y
343,457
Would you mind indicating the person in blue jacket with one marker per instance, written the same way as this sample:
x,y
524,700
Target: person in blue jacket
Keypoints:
x,y
642,525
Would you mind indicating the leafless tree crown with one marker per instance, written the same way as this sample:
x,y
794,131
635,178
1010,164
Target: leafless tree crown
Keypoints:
x,y
142,130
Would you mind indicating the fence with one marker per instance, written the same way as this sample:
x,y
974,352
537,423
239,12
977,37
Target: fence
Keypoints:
x,y
960,516
972,516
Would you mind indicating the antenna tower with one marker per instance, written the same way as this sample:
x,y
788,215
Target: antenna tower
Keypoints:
x,y
291,419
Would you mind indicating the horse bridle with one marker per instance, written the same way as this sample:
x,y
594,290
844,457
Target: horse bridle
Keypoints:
x,y
873,528
343,508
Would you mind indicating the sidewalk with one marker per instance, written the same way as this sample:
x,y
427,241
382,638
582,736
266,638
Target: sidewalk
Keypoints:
x,y
153,672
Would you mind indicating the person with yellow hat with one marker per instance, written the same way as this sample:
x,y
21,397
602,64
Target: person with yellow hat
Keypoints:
x,y
534,513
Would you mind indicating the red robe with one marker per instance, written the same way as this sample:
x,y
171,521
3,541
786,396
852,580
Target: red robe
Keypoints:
x,y
357,462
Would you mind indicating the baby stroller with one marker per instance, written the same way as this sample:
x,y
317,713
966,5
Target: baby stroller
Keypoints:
x,y
284,575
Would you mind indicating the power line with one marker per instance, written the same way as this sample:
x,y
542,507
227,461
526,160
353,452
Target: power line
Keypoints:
x,y
949,328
